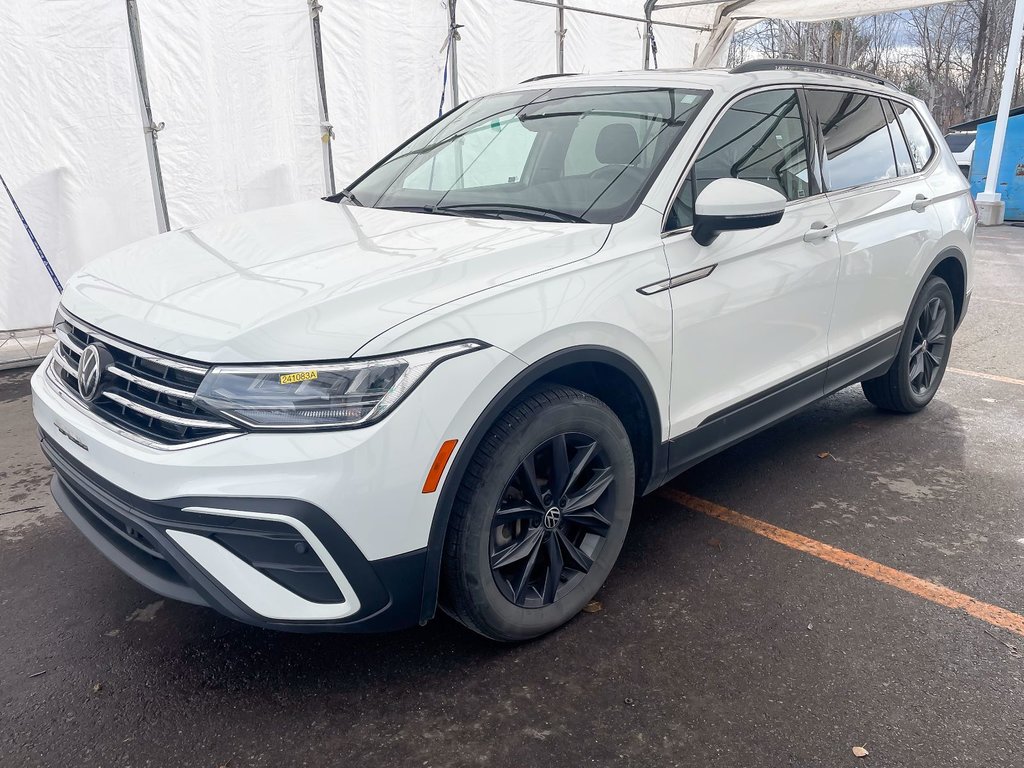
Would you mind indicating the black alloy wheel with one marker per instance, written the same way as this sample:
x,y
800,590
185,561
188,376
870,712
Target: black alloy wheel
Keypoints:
x,y
540,515
552,520
928,349
914,376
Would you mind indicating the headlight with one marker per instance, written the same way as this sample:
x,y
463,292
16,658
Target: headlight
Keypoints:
x,y
320,395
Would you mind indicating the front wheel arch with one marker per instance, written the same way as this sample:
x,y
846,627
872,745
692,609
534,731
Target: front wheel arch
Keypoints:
x,y
562,367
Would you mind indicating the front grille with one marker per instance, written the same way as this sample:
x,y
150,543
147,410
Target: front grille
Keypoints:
x,y
145,393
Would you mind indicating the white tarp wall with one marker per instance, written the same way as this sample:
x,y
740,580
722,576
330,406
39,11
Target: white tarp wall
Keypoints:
x,y
383,65
236,85
71,147
235,82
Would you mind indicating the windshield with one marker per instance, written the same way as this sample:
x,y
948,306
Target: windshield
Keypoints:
x,y
566,154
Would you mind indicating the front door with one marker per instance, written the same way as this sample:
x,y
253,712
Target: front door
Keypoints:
x,y
750,335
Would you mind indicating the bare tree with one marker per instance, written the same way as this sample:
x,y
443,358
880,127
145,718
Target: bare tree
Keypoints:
x,y
950,55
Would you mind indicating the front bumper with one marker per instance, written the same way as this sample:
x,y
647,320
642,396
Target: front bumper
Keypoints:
x,y
213,523
269,562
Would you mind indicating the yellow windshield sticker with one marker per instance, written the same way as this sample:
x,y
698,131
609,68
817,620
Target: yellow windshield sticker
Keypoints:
x,y
295,378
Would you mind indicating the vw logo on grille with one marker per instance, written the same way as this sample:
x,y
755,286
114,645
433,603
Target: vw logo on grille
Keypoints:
x,y
91,369
552,518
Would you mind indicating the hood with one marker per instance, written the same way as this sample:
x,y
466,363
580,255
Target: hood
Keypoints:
x,y
309,281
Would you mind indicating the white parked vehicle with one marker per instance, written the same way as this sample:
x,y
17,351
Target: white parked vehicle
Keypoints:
x,y
447,385
961,144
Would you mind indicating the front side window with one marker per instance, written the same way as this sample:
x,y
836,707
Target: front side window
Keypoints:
x,y
563,154
921,148
857,149
760,138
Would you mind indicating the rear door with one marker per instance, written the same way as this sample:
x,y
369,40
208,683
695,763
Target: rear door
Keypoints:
x,y
886,226
751,310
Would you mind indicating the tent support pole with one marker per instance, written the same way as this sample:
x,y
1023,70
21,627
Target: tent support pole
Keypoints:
x,y
326,129
453,51
990,205
610,15
148,126
560,38
648,31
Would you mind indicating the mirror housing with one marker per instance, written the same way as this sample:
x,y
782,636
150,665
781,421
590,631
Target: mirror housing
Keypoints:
x,y
726,205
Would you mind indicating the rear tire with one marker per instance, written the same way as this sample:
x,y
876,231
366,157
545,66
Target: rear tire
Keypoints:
x,y
914,376
540,515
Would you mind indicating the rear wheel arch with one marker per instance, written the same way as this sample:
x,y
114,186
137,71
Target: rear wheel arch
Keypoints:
x,y
600,371
951,266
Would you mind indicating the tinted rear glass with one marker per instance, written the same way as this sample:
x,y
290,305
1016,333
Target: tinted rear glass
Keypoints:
x,y
958,142
858,149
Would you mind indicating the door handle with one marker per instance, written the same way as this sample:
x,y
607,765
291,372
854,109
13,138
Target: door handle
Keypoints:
x,y
920,202
818,231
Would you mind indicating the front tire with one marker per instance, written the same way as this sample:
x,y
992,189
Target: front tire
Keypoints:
x,y
540,516
914,376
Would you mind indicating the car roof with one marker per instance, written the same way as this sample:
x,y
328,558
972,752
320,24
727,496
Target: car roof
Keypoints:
x,y
714,79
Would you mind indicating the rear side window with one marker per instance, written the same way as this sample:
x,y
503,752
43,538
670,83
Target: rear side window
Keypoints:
x,y
921,149
904,165
760,138
857,149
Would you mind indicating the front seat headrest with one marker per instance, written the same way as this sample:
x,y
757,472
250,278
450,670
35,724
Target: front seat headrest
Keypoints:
x,y
617,144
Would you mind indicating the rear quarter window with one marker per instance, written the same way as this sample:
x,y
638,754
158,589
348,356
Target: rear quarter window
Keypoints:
x,y
921,148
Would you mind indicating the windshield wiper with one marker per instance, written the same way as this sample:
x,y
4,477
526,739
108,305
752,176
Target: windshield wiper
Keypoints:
x,y
345,194
440,211
523,211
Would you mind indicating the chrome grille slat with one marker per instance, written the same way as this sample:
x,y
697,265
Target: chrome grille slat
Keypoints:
x,y
153,413
151,397
148,384
59,359
65,338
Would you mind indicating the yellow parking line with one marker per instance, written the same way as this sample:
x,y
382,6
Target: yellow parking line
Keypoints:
x,y
991,614
989,376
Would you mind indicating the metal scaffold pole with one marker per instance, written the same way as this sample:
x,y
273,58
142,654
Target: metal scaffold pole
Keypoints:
x,y
326,129
151,129
453,51
560,38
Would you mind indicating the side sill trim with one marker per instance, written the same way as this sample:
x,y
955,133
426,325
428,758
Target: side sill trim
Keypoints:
x,y
758,412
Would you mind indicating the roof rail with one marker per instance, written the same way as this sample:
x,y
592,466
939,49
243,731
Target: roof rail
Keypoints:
x,y
545,77
762,65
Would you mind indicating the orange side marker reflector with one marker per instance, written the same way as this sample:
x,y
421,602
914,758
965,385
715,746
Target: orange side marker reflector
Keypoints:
x,y
437,468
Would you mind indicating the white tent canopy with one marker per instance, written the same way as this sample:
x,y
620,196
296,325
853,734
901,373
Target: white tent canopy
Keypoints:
x,y
238,108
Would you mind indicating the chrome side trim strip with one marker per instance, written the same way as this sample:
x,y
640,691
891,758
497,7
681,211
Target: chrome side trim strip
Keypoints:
x,y
676,281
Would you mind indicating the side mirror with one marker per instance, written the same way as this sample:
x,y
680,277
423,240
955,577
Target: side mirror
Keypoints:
x,y
726,205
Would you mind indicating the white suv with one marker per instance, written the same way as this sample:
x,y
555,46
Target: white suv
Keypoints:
x,y
447,385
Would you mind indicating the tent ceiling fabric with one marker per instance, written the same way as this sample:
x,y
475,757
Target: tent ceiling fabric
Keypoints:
x,y
235,85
